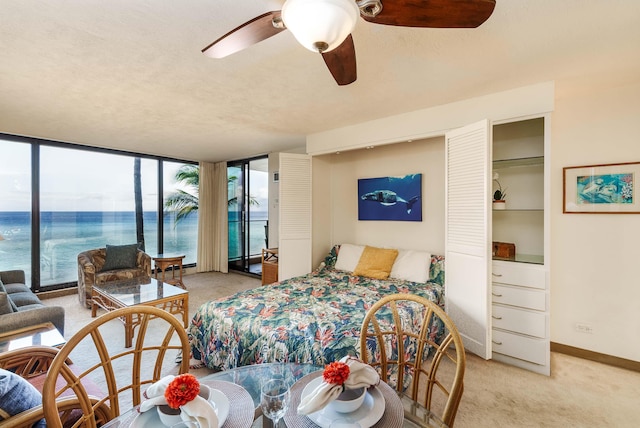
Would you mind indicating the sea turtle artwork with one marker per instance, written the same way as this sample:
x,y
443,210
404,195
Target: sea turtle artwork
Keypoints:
x,y
388,198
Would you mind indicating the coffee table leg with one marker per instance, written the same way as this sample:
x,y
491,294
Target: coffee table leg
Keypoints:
x,y
185,311
94,305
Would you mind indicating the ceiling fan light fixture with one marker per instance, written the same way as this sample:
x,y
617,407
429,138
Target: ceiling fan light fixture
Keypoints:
x,y
320,25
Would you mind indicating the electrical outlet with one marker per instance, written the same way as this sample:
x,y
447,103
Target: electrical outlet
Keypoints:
x,y
584,328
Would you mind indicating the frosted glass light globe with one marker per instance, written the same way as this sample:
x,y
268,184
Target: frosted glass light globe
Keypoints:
x,y
320,25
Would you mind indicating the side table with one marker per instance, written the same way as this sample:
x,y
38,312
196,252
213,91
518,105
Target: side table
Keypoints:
x,y
269,265
163,262
43,334
29,365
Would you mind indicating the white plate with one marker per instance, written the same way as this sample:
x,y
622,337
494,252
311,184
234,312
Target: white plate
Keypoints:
x,y
367,415
151,419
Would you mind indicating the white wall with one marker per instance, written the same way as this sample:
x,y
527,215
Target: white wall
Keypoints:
x,y
424,157
594,258
321,217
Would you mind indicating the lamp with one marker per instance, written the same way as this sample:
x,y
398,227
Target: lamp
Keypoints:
x,y
320,25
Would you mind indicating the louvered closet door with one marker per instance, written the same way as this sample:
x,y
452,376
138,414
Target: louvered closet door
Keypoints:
x,y
467,249
294,253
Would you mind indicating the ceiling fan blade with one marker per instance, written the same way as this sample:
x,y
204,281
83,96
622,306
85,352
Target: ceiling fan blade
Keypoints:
x,y
434,13
342,62
249,33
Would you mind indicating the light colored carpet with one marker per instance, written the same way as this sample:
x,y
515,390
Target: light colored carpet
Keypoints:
x,y
579,393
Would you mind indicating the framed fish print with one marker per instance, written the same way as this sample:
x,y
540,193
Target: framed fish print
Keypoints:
x,y
601,189
390,198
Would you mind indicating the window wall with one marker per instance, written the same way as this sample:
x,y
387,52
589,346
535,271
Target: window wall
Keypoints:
x,y
180,236
15,207
83,199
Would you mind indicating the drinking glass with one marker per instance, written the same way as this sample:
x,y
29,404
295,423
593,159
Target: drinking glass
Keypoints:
x,y
274,399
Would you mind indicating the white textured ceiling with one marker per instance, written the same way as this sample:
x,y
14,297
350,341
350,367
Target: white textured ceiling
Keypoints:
x,y
130,75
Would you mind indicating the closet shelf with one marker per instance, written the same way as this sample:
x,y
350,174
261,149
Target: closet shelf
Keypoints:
x,y
519,162
536,259
519,210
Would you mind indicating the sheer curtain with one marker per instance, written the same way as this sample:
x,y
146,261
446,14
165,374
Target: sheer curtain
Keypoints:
x,y
213,229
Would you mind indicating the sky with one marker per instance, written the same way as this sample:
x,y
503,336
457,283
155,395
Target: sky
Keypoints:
x,y
77,180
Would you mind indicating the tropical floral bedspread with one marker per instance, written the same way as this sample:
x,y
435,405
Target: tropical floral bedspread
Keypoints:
x,y
314,318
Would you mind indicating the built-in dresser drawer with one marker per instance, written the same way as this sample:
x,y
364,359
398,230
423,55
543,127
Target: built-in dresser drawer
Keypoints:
x,y
522,347
521,297
519,274
519,321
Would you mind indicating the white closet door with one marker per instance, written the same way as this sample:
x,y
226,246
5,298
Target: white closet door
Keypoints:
x,y
467,243
294,252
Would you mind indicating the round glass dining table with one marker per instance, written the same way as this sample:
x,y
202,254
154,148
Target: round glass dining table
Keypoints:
x,y
398,411
252,376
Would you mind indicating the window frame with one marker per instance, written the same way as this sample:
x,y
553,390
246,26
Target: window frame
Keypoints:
x,y
36,144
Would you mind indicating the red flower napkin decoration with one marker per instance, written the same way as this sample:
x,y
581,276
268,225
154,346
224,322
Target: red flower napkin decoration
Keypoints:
x,y
336,373
181,390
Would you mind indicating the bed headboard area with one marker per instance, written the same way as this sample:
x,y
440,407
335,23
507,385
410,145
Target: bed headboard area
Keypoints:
x,y
382,263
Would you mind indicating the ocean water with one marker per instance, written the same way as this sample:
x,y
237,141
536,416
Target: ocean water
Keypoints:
x,y
64,234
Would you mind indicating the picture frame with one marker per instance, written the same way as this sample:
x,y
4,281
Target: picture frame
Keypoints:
x,y
390,198
601,189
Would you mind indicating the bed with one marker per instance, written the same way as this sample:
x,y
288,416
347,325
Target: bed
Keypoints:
x,y
315,318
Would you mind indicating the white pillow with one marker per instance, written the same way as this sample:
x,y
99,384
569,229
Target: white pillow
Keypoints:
x,y
411,265
348,257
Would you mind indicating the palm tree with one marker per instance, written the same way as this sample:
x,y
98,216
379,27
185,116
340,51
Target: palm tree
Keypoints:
x,y
137,192
185,202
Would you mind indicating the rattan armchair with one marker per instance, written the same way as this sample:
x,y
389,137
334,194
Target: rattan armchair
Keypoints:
x,y
144,363
417,349
90,273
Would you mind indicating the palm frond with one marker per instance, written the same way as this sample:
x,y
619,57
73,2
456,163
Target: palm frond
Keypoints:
x,y
182,203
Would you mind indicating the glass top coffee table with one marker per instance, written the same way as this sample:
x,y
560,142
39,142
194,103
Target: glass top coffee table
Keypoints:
x,y
42,334
139,291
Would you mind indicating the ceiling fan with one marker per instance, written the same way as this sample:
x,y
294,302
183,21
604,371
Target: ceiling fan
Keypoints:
x,y
325,26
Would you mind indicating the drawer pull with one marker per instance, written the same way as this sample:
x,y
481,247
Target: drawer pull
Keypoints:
x,y
495,317
496,274
497,343
496,294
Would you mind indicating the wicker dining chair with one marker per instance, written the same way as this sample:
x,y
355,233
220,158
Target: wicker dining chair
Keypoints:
x,y
118,373
417,349
31,363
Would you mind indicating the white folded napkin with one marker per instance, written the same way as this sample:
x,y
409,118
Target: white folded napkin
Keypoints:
x,y
198,409
201,411
360,375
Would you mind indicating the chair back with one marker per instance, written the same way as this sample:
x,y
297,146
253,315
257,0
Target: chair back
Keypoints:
x,y
107,378
417,349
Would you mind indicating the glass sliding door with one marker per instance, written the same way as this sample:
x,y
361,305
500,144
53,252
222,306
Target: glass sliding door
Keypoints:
x,y
248,194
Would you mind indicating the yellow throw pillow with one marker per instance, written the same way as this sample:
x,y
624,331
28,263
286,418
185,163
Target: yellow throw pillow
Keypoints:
x,y
376,262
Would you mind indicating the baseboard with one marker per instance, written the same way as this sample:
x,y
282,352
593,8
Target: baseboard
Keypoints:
x,y
596,356
57,293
